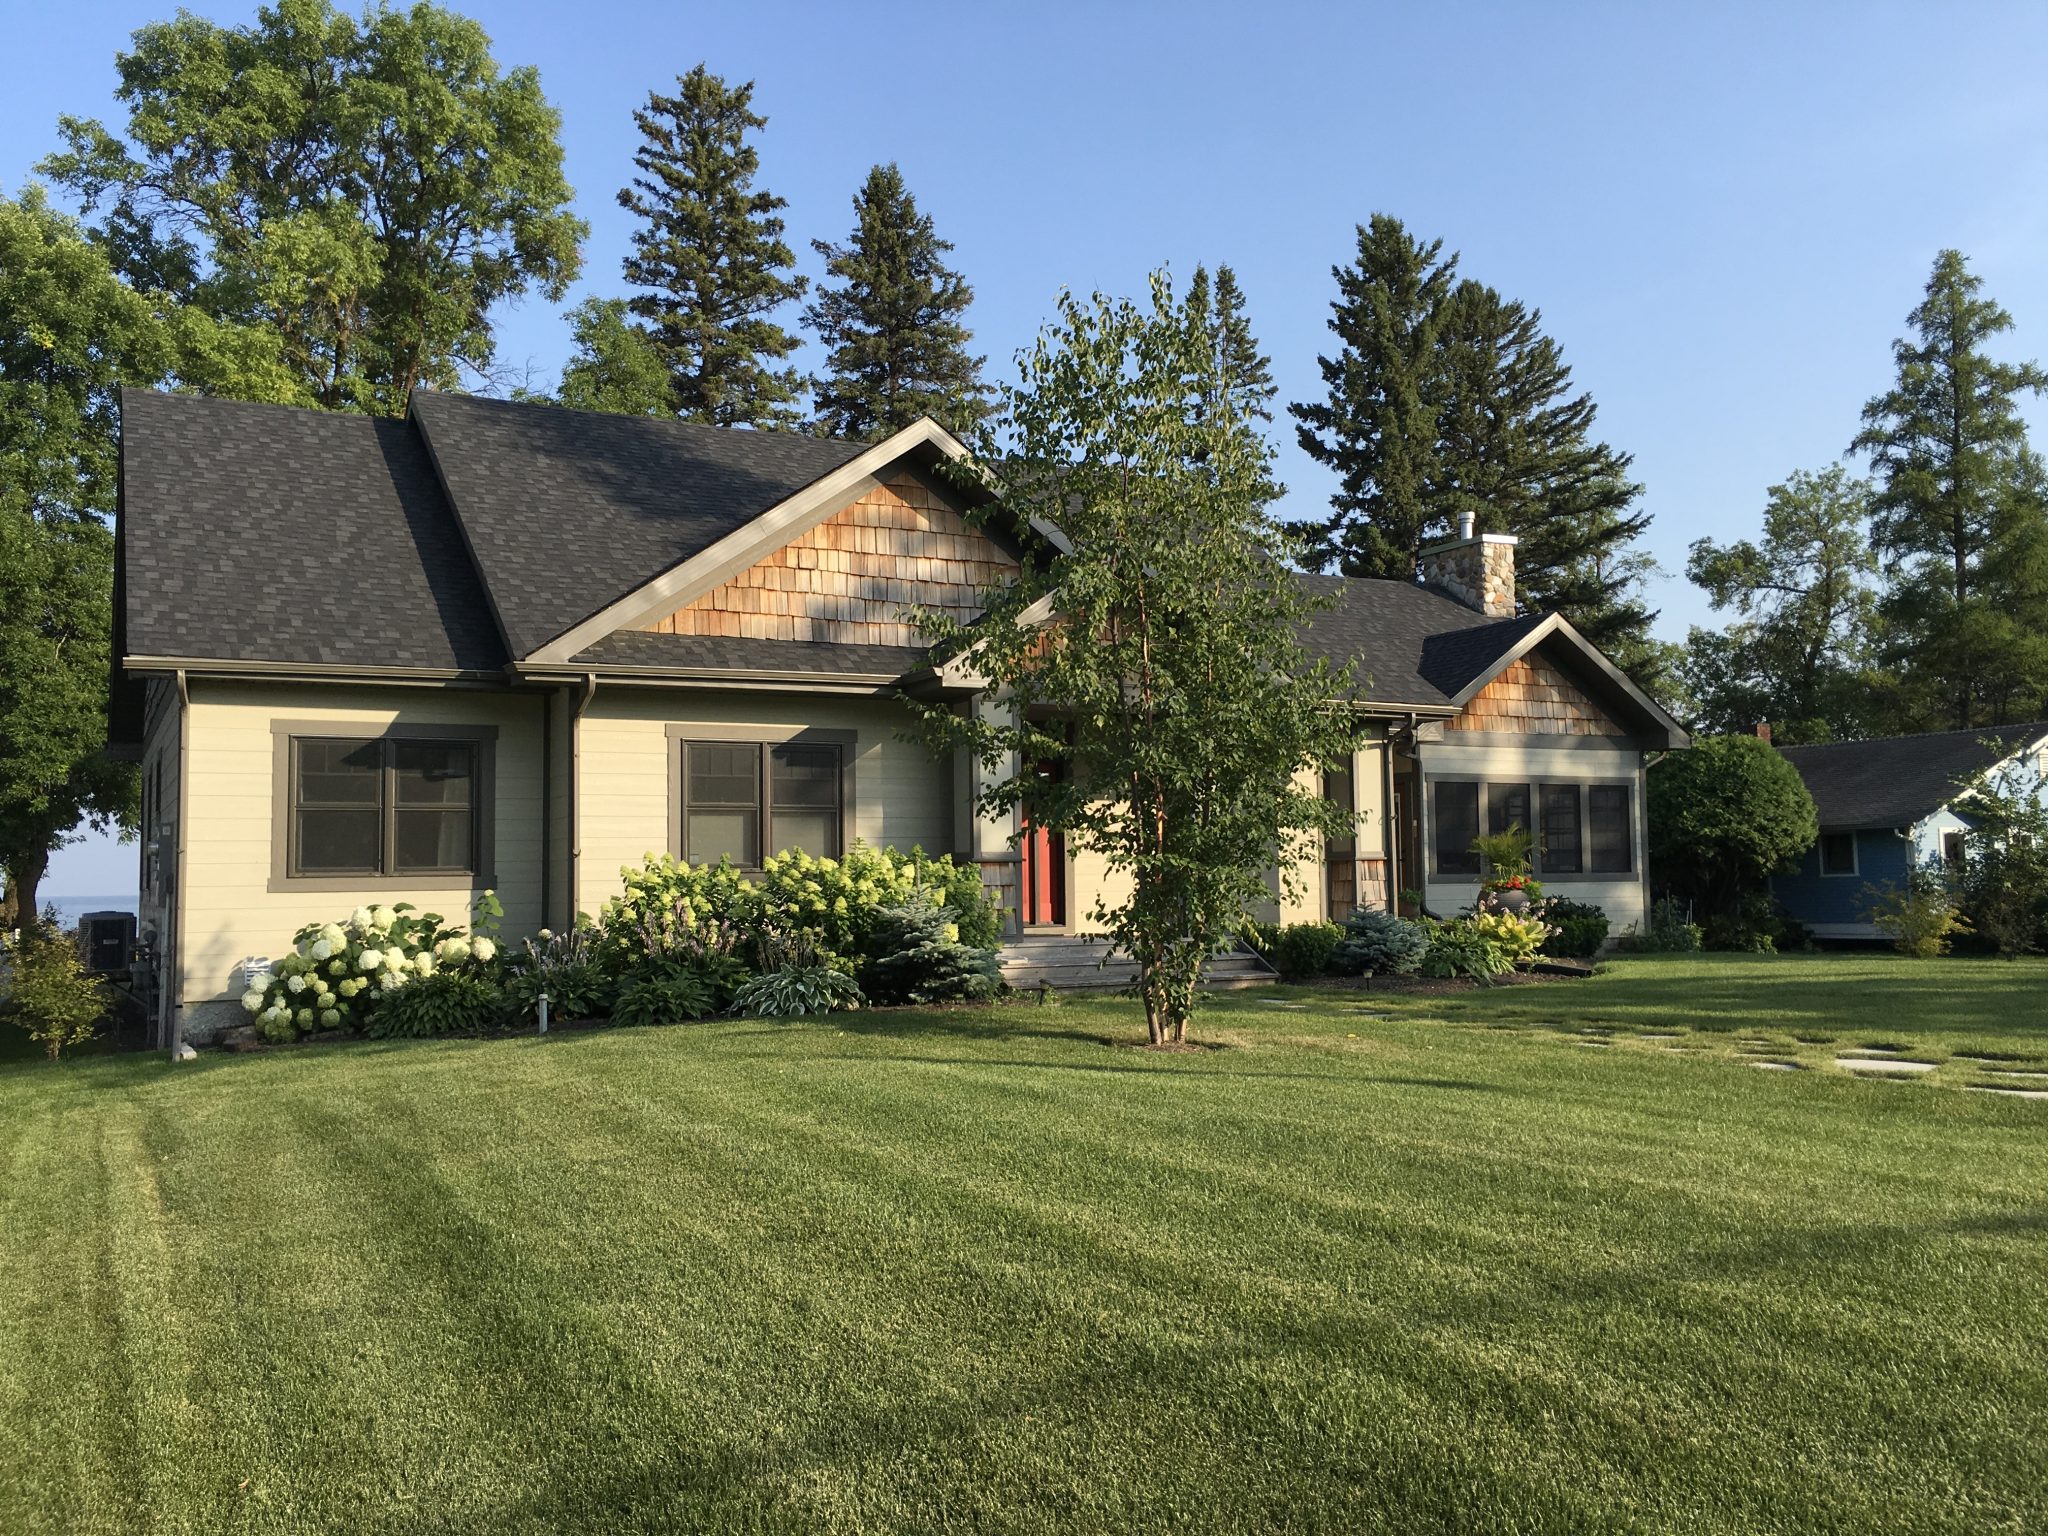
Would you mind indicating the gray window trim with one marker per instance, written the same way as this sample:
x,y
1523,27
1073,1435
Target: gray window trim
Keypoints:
x,y
680,735
283,733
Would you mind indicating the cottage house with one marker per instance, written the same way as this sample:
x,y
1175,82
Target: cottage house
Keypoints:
x,y
1887,807
513,646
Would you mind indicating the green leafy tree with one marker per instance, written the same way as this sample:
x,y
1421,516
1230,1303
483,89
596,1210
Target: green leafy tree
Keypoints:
x,y
1799,654
2002,882
615,366
1724,816
69,332
1957,506
1377,427
1155,656
890,320
709,258
369,190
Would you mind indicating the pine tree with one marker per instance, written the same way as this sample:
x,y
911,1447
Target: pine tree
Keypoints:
x,y
1953,513
1378,427
1516,448
891,329
1242,361
710,257
1447,398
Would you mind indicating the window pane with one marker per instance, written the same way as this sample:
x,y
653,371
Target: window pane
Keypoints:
x,y
1561,854
1507,805
805,776
339,772
434,772
1456,809
815,832
709,836
1838,853
723,775
1337,790
342,842
433,839
1607,829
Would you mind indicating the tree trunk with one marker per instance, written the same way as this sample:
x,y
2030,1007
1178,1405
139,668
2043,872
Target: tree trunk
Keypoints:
x,y
25,871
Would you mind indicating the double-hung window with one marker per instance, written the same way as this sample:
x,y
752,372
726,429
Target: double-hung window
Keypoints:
x,y
1559,840
1610,836
741,798
382,808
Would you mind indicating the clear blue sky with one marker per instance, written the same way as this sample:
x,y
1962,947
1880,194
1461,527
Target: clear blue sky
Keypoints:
x,y
1724,211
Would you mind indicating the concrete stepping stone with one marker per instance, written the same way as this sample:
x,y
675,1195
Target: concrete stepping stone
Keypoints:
x,y
1777,1066
2041,1077
1883,1064
2007,1093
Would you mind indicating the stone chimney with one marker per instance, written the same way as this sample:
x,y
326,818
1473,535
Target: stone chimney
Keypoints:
x,y
1478,569
1763,730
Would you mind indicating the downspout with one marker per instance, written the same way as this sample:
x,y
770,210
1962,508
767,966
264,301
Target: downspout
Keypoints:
x,y
547,800
172,1026
1390,834
574,818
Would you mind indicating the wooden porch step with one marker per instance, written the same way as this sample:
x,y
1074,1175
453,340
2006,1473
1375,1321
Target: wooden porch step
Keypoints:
x,y
1073,963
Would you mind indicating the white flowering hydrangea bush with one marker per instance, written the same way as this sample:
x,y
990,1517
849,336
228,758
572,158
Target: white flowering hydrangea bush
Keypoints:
x,y
835,904
338,972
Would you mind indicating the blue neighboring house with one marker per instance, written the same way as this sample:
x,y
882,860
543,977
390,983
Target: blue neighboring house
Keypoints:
x,y
1887,806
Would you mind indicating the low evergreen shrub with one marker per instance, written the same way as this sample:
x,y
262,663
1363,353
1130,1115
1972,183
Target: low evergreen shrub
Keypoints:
x,y
1378,943
1579,928
917,955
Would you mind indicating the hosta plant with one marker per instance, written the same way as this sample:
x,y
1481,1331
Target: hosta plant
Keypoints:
x,y
1459,949
799,979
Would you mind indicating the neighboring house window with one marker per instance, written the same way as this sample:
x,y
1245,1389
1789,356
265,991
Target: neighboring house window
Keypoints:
x,y
1456,813
1838,853
1337,790
1609,843
1561,851
1952,849
383,808
739,797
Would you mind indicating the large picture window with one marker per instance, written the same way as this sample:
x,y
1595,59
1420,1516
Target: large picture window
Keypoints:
x,y
382,808
1454,808
742,797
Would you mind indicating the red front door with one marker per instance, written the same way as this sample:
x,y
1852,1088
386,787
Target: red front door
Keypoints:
x,y
1044,869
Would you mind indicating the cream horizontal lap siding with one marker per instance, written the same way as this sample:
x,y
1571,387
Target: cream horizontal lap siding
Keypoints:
x,y
229,909
900,795
1500,758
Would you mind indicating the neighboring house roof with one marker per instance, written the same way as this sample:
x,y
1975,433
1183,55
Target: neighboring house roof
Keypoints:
x,y
266,534
567,511
1895,781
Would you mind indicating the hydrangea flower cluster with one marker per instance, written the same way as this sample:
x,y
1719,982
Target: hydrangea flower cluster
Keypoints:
x,y
336,972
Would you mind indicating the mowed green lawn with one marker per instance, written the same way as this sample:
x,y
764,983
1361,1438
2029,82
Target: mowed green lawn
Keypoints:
x,y
1424,1264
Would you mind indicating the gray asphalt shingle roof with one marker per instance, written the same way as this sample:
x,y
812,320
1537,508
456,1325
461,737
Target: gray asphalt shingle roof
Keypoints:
x,y
724,653
258,533
1414,646
568,511
263,533
1895,781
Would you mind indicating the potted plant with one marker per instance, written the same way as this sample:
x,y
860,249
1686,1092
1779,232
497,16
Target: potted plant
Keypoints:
x,y
1509,887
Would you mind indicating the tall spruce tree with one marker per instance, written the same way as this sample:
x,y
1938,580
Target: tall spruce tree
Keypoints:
x,y
896,347
710,258
1378,427
1958,509
1445,398
1247,370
